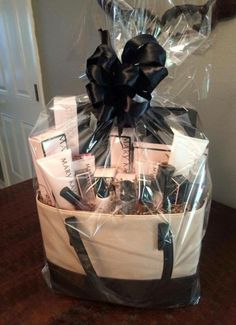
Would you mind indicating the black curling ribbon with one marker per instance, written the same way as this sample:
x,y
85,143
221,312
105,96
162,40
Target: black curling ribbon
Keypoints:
x,y
123,88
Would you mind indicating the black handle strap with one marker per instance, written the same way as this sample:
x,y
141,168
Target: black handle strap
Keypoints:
x,y
78,245
165,243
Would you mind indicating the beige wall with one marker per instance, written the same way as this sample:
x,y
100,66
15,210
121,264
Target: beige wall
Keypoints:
x,y
58,27
58,24
213,93
218,111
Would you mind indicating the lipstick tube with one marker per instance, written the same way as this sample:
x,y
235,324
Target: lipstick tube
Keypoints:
x,y
164,177
74,199
128,197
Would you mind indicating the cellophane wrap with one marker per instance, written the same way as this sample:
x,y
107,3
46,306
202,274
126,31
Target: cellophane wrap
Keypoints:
x,y
123,185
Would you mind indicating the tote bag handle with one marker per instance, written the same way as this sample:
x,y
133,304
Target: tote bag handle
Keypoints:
x,y
165,243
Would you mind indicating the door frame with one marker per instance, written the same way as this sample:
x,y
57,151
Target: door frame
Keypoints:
x,y
36,52
4,168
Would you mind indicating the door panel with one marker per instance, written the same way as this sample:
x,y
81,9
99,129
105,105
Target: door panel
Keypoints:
x,y
19,72
25,132
3,87
20,76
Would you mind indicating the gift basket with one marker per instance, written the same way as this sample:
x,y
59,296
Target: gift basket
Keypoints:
x,y
123,186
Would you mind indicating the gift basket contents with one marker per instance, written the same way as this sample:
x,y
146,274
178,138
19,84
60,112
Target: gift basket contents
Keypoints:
x,y
123,186
133,173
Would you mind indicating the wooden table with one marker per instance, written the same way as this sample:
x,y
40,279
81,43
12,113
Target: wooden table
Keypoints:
x,y
26,300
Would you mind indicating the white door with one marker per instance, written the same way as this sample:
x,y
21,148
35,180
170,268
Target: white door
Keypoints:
x,y
21,95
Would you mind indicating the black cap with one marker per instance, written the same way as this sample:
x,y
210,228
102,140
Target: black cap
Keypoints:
x,y
102,188
165,172
127,191
146,191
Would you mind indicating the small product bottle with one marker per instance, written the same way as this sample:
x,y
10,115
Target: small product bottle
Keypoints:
x,y
146,194
103,196
128,197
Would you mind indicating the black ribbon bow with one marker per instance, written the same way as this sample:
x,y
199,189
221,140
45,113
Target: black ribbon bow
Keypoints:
x,y
123,89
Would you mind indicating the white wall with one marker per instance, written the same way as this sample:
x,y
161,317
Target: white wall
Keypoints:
x,y
58,24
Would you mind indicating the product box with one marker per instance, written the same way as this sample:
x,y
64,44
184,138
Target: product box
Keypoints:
x,y
65,118
43,145
148,156
186,152
122,149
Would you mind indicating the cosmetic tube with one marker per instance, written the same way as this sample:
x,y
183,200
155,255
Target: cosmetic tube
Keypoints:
x,y
164,179
75,200
104,189
157,194
103,196
179,190
58,171
128,197
198,185
126,185
146,193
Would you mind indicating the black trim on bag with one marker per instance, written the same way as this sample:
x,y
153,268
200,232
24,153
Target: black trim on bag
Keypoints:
x,y
134,293
165,244
164,292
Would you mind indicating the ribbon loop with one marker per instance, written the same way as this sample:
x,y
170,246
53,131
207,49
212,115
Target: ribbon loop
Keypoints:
x,y
113,84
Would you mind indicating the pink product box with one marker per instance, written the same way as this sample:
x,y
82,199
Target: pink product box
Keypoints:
x,y
84,168
65,117
149,156
122,150
42,145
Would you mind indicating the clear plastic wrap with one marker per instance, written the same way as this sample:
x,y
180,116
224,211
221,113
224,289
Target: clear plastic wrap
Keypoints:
x,y
178,26
124,188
